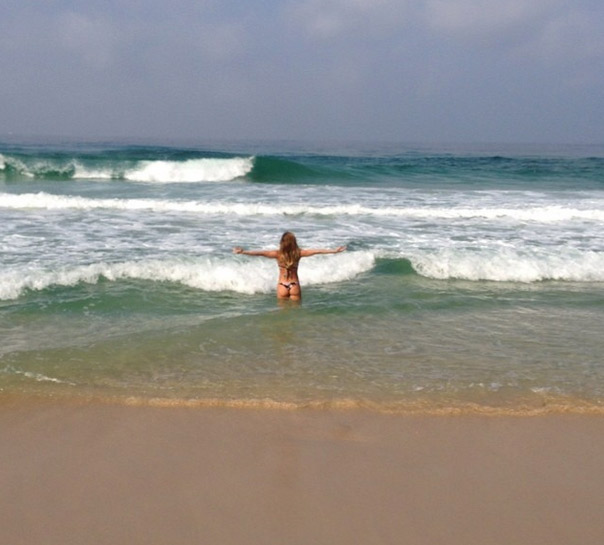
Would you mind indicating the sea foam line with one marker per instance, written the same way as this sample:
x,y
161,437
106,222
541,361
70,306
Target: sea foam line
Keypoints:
x,y
544,214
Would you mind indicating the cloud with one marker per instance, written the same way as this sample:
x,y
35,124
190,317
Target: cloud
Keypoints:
x,y
550,36
489,21
329,19
479,16
426,69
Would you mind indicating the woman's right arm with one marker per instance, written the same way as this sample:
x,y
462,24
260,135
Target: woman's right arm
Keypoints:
x,y
261,253
308,253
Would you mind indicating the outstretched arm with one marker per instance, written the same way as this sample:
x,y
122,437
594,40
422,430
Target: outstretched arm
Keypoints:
x,y
262,253
316,251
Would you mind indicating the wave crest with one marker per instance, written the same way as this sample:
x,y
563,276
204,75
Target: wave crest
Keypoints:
x,y
206,169
191,170
510,266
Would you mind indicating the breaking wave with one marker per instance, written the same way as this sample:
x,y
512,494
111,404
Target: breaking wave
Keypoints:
x,y
206,169
507,265
240,275
208,274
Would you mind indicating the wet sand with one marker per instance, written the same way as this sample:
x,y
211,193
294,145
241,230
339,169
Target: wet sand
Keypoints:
x,y
105,474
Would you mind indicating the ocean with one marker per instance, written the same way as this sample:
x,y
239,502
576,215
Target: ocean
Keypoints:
x,y
473,278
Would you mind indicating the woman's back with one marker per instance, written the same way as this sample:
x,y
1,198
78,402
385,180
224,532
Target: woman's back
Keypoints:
x,y
288,257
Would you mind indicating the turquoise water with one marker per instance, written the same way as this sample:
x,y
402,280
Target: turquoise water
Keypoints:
x,y
474,276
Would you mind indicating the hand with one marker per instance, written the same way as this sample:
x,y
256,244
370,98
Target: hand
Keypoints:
x,y
237,250
340,249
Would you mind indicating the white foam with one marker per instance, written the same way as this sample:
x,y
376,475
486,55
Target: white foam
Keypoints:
x,y
507,265
59,202
541,214
237,273
192,170
38,377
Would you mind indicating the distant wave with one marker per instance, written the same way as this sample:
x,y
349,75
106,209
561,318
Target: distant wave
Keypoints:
x,y
263,169
544,214
426,169
172,165
191,170
207,169
208,274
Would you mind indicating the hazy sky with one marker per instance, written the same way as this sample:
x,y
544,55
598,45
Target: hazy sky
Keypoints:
x,y
406,70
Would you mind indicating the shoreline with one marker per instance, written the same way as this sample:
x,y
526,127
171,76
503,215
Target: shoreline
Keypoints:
x,y
92,473
433,406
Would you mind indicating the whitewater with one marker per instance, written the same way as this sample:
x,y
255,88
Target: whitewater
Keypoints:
x,y
472,275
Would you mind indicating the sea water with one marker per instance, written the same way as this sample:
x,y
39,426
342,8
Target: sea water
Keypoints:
x,y
473,276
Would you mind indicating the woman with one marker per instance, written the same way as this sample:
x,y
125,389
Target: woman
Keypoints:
x,y
288,256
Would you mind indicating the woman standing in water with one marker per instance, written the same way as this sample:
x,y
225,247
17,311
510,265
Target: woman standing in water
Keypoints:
x,y
288,256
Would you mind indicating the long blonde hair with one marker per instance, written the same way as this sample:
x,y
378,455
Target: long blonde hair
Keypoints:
x,y
289,252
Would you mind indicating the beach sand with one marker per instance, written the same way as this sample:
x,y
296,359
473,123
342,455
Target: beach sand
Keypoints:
x,y
106,474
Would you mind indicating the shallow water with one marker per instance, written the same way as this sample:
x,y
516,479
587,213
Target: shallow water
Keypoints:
x,y
473,277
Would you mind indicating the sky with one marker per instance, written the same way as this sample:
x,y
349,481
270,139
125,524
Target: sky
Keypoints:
x,y
371,70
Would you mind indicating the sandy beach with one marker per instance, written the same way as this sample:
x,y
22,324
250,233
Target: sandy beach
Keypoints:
x,y
92,474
